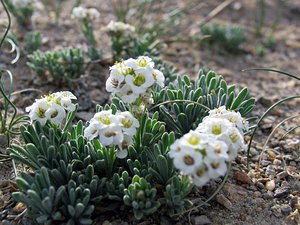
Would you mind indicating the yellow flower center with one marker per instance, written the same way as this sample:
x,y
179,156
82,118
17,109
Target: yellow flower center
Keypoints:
x,y
234,137
110,134
41,113
194,140
104,120
216,129
126,122
54,114
139,80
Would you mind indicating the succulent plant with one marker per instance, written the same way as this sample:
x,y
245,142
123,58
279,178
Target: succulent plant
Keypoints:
x,y
175,195
189,101
141,197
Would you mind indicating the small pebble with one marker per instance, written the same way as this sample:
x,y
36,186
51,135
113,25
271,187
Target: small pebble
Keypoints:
x,y
277,162
202,220
253,151
257,194
224,201
268,195
270,185
292,163
270,171
281,191
276,209
260,185
265,163
242,177
286,209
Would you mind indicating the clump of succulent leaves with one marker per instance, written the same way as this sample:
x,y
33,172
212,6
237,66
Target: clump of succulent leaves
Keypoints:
x,y
72,174
64,66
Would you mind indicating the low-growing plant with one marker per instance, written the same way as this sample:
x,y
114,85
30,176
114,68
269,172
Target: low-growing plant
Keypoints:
x,y
33,41
65,65
22,10
85,18
127,156
226,37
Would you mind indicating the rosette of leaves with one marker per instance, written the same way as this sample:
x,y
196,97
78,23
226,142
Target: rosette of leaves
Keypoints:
x,y
227,37
141,197
189,101
47,204
162,169
65,65
175,195
116,188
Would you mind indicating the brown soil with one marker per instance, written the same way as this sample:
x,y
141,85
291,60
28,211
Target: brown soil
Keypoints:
x,y
247,206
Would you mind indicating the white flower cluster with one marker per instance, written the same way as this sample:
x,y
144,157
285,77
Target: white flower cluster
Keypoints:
x,y
116,28
23,3
84,13
203,153
113,130
133,78
52,107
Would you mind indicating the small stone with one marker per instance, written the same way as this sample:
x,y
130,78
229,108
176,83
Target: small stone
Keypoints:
x,y
255,158
257,194
286,209
265,163
292,163
260,185
268,195
202,220
253,151
271,153
277,162
242,177
270,185
282,175
281,191
224,201
276,209
270,171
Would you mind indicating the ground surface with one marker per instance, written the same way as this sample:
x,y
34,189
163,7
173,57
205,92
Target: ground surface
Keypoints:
x,y
242,200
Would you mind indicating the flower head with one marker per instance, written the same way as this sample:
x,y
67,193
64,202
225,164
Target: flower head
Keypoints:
x,y
52,107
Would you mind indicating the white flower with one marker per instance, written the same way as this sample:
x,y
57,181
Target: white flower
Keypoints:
x,y
216,149
214,126
126,94
159,78
79,12
111,135
37,111
114,82
121,28
138,110
93,13
142,79
216,167
145,61
234,140
187,160
55,114
105,118
234,117
91,131
201,175
129,122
